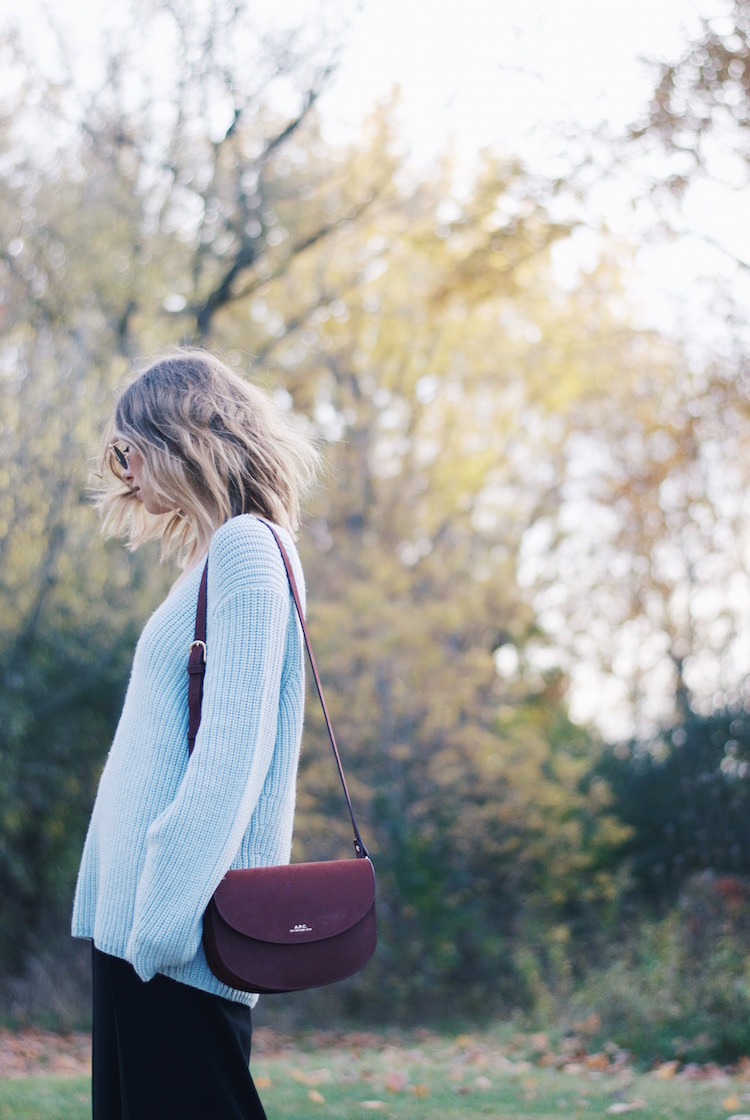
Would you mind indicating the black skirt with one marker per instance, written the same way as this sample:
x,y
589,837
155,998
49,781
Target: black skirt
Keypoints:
x,y
165,1051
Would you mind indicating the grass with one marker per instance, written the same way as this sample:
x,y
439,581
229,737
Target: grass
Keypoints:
x,y
46,1098
419,1077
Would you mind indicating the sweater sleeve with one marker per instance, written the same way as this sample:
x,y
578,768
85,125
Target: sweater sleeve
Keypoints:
x,y
193,842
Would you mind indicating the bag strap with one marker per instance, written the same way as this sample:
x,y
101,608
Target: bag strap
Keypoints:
x,y
197,669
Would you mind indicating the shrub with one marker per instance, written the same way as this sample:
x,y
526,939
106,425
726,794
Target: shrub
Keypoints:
x,y
680,988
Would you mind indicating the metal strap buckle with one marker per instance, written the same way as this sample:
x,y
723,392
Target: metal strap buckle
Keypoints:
x,y
201,644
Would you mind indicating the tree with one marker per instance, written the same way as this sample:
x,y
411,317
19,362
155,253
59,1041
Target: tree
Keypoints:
x,y
141,202
455,381
420,364
664,564
685,797
705,95
641,565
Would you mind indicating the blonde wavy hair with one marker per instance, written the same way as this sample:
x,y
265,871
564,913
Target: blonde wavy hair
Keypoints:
x,y
213,446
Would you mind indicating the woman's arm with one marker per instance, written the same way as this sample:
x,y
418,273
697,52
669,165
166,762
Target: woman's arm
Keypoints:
x,y
194,841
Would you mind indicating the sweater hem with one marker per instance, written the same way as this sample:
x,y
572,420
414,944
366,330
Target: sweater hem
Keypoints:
x,y
194,974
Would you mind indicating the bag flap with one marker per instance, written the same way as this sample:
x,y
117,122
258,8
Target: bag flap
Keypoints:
x,y
298,902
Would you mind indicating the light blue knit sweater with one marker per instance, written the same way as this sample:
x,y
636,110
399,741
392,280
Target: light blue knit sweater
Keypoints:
x,y
164,830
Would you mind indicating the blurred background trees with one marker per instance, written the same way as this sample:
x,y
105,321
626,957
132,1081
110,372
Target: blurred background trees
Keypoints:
x,y
526,488
704,97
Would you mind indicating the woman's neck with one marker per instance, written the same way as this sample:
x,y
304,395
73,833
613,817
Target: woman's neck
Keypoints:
x,y
189,568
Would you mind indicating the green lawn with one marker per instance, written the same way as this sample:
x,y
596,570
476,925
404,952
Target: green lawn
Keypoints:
x,y
417,1079
45,1098
540,1096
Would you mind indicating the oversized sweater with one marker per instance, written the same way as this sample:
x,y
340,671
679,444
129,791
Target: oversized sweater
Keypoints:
x,y
165,830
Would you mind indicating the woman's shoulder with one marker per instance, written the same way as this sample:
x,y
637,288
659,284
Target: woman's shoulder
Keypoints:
x,y
249,531
243,553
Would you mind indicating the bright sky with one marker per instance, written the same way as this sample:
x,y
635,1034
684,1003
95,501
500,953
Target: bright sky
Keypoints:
x,y
509,74
491,71
514,75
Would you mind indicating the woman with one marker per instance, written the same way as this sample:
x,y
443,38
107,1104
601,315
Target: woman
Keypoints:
x,y
192,453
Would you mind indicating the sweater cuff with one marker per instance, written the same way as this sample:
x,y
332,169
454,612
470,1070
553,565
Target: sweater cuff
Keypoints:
x,y
148,959
142,959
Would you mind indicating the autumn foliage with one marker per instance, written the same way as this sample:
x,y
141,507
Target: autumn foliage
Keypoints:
x,y
522,479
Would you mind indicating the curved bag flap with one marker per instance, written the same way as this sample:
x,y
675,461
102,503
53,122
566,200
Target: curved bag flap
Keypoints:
x,y
297,902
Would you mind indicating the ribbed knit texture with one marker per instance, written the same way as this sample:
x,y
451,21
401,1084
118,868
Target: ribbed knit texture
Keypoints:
x,y
164,831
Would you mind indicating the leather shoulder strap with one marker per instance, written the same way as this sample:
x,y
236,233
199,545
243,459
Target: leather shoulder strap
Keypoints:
x,y
197,663
197,668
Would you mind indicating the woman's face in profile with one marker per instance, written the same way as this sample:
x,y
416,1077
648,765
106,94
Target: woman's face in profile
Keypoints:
x,y
133,475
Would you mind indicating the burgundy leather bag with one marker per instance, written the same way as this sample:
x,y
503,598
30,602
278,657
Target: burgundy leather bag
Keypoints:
x,y
301,925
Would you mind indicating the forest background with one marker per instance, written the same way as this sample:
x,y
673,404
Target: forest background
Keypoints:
x,y
528,486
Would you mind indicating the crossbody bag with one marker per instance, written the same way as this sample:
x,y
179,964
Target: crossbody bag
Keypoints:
x,y
296,926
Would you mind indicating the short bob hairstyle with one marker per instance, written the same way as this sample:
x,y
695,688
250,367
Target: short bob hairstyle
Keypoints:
x,y
213,446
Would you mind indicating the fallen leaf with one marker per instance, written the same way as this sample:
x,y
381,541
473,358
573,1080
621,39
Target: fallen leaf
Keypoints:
x,y
421,1090
623,1106
739,1116
373,1106
483,1083
262,1082
666,1070
597,1062
316,1097
730,1102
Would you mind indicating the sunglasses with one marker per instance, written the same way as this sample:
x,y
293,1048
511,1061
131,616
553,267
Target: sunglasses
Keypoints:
x,y
121,455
